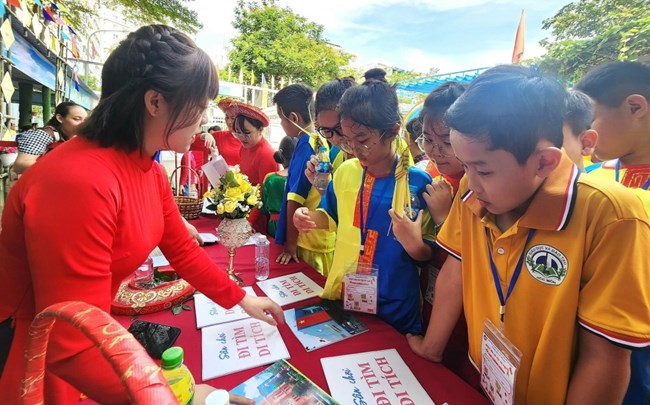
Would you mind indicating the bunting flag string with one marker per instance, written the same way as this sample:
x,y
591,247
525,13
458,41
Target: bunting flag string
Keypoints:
x,y
15,3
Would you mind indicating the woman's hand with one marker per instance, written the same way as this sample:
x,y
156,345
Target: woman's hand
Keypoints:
x,y
303,221
438,198
262,308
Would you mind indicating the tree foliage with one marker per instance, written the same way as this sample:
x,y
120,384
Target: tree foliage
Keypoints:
x,y
587,33
171,12
275,41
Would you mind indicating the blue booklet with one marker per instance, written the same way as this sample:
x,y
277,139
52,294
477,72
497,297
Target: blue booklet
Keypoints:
x,y
281,384
322,324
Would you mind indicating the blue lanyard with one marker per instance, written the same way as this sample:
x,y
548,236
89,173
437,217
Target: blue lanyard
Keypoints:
x,y
515,275
618,167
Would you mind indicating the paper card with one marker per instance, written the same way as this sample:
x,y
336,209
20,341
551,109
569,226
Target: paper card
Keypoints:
x,y
214,170
235,346
210,313
379,377
209,238
290,288
360,293
205,209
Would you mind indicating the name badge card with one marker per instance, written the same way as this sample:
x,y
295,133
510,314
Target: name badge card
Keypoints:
x,y
360,288
501,360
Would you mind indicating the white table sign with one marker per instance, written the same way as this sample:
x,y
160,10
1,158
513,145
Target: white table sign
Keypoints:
x,y
209,313
235,346
377,377
290,288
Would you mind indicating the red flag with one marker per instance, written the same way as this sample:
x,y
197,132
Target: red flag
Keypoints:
x,y
518,51
15,3
74,49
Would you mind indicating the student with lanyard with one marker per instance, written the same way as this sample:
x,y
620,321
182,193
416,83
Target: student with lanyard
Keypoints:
x,y
358,204
621,95
548,282
295,106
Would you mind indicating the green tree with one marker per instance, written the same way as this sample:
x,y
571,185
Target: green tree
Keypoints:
x,y
172,12
275,41
587,33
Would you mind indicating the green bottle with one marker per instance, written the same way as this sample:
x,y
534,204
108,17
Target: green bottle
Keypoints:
x,y
178,375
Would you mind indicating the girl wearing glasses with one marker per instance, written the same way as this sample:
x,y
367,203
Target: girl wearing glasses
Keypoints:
x,y
327,118
358,201
434,141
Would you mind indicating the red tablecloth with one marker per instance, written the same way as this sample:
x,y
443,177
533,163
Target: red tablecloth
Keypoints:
x,y
440,383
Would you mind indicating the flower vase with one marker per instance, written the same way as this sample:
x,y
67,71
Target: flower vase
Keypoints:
x,y
233,233
8,159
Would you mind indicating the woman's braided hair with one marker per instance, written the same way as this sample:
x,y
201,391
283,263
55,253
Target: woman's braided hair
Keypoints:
x,y
159,58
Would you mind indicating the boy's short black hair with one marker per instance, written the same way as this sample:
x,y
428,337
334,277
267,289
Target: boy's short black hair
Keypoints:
x,y
579,112
513,108
297,98
610,83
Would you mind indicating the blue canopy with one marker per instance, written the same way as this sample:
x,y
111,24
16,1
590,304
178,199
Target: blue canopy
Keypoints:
x,y
426,84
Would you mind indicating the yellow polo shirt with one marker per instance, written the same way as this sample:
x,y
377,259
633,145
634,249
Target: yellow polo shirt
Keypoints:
x,y
579,269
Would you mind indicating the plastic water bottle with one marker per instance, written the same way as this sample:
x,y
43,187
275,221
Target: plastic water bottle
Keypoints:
x,y
415,202
322,170
262,247
178,375
144,274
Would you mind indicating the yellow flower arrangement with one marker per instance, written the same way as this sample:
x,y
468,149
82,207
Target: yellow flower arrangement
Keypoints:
x,y
235,197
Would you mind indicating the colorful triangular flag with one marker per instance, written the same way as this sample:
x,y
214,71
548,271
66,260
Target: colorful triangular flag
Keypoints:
x,y
62,9
73,32
76,81
518,51
15,3
241,75
65,36
2,8
7,34
38,3
54,6
37,27
7,87
263,80
74,49
47,14
94,50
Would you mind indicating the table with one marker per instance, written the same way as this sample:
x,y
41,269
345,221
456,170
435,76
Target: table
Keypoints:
x,y
440,383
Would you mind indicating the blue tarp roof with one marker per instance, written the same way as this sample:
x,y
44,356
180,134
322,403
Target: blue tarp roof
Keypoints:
x,y
427,83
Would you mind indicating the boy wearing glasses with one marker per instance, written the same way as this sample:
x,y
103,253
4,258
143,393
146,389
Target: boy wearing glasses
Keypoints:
x,y
295,104
544,290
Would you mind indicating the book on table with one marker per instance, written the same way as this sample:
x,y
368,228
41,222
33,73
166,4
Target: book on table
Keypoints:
x,y
239,345
280,384
379,376
290,288
322,324
210,313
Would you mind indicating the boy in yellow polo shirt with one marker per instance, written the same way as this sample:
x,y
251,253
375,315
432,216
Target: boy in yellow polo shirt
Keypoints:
x,y
621,95
549,282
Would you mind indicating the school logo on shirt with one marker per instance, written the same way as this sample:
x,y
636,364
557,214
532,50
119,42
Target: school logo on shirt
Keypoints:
x,y
547,264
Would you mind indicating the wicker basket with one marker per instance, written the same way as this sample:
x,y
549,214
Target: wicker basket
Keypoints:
x,y
190,207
